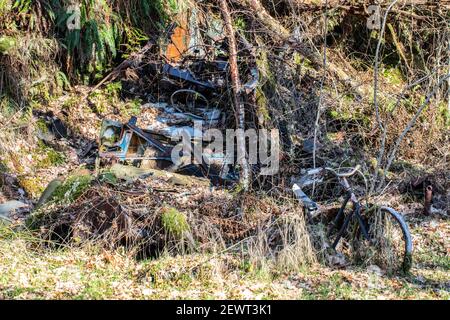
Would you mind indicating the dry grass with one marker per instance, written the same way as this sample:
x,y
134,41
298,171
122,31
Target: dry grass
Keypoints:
x,y
284,244
30,271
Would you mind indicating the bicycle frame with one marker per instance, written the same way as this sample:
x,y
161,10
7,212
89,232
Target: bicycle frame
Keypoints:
x,y
355,212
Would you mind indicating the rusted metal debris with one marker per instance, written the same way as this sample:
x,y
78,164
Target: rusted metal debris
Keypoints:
x,y
186,76
187,84
153,145
128,142
190,34
428,200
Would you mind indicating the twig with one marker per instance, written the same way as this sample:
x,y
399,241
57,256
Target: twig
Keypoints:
x,y
448,93
399,47
122,66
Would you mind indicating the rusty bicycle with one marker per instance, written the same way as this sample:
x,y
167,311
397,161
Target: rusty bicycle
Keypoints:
x,y
373,234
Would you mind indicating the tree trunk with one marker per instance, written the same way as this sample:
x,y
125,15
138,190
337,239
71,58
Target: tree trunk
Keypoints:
x,y
237,96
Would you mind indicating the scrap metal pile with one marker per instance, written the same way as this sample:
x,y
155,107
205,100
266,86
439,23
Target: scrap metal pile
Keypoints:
x,y
184,78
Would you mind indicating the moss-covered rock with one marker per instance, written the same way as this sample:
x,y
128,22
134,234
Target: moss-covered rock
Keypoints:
x,y
72,188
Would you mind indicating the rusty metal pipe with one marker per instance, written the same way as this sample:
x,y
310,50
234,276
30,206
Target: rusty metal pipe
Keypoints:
x,y
428,199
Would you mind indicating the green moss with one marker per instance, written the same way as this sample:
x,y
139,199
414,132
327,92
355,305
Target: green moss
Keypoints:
x,y
350,115
54,157
374,34
46,156
101,106
261,101
444,114
173,6
349,98
262,61
113,88
42,126
33,186
131,108
174,221
40,93
341,115
237,189
332,136
393,75
389,104
69,103
307,64
6,44
240,24
302,62
8,106
246,266
103,100
334,114
62,81
72,188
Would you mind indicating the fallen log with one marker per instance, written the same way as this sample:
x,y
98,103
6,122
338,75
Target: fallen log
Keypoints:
x,y
130,173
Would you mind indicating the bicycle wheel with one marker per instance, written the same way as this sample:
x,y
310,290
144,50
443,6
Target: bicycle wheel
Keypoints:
x,y
390,240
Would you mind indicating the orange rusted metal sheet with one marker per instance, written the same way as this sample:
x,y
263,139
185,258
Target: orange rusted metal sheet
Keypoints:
x,y
179,44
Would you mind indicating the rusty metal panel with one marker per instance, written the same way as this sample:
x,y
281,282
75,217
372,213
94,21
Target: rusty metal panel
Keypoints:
x,y
186,38
178,44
